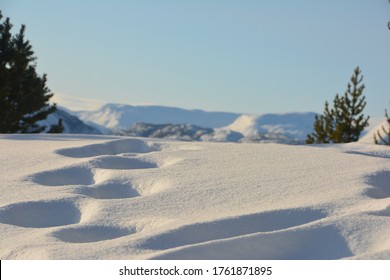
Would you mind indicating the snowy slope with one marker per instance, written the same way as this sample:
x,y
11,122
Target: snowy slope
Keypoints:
x,y
369,136
111,197
186,132
289,127
71,123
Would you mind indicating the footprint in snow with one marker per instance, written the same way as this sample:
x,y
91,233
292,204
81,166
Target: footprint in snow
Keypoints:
x,y
85,174
375,154
109,190
87,234
118,162
384,213
40,214
380,183
305,243
73,175
232,227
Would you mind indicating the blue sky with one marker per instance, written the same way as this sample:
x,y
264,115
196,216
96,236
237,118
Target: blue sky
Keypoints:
x,y
239,56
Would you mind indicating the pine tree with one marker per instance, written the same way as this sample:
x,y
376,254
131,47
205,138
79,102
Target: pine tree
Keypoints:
x,y
345,121
378,138
353,121
322,126
57,128
24,95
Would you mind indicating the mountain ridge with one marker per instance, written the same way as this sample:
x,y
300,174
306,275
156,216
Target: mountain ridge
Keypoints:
x,y
121,116
177,123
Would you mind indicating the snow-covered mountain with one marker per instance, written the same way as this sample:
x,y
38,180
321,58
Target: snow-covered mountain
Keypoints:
x,y
177,123
281,128
118,117
71,123
186,132
169,131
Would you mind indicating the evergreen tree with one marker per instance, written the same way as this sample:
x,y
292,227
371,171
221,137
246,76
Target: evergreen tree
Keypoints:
x,y
345,121
378,138
24,95
353,121
322,125
57,128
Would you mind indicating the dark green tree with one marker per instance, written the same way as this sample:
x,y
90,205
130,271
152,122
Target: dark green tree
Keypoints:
x,y
353,121
323,124
345,121
57,128
24,96
385,139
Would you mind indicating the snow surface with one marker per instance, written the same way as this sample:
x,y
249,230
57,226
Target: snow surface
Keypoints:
x,y
111,197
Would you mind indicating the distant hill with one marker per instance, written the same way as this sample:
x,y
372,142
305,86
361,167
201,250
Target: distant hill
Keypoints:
x,y
71,123
198,125
186,132
285,128
117,117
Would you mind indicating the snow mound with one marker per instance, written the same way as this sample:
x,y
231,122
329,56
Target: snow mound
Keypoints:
x,y
112,148
369,136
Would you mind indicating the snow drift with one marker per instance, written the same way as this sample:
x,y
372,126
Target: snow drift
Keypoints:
x,y
372,133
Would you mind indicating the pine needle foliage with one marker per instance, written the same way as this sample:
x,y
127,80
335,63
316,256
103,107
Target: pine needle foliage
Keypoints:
x,y
344,122
24,96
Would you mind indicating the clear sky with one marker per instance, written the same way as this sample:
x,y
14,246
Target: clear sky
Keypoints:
x,y
222,55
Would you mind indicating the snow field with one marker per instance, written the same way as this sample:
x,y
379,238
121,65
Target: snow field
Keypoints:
x,y
101,197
